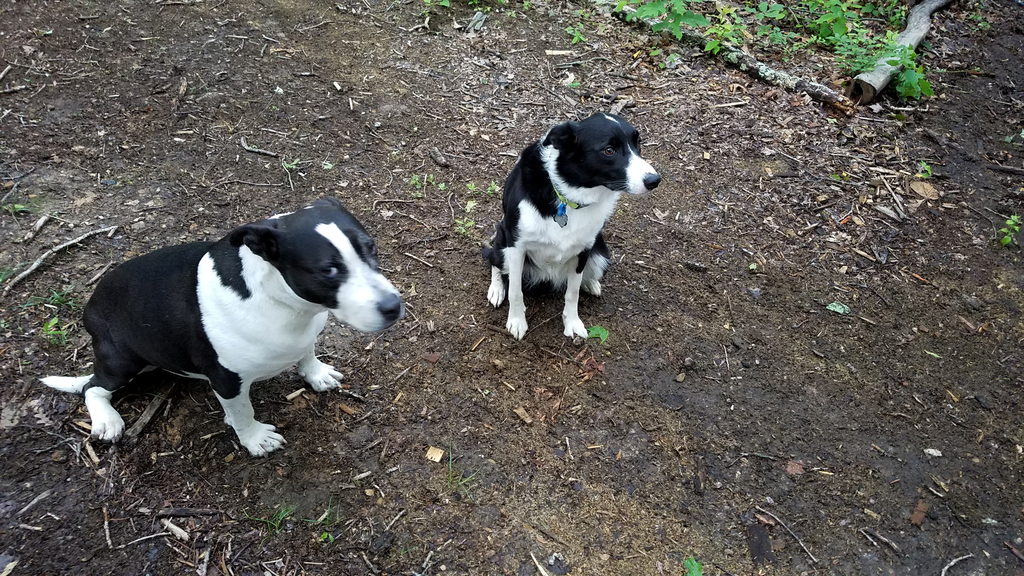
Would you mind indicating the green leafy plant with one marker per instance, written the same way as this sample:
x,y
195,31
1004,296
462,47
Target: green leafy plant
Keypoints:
x,y
672,15
464,226
492,188
576,32
16,209
470,205
421,184
1009,232
910,81
275,521
599,332
54,333
924,170
693,567
53,300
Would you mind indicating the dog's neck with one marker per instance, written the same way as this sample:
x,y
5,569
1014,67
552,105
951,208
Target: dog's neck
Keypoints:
x,y
572,196
258,272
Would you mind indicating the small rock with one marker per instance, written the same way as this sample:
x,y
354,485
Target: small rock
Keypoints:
x,y
755,293
974,303
680,377
933,452
689,362
984,401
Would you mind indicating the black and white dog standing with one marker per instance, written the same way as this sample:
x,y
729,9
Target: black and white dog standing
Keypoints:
x,y
556,200
231,312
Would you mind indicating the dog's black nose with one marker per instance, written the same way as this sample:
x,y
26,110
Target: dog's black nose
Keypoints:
x,y
390,307
651,181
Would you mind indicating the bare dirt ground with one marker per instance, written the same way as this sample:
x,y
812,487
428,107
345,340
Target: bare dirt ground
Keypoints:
x,y
725,394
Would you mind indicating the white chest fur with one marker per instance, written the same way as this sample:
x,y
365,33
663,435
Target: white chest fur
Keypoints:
x,y
551,247
263,335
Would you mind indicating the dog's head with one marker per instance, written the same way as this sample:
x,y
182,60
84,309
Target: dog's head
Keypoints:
x,y
324,256
601,152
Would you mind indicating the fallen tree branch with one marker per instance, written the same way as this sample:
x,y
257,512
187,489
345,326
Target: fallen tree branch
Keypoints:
x,y
759,70
867,85
39,261
149,412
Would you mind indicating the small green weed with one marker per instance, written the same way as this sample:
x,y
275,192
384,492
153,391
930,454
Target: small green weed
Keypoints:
x,y
599,332
5,273
470,205
53,300
1015,139
421,184
1009,232
17,209
275,521
693,567
464,226
54,332
289,166
924,170
456,481
492,187
576,32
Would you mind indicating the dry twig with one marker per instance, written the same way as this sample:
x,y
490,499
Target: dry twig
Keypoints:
x,y
953,562
39,261
791,533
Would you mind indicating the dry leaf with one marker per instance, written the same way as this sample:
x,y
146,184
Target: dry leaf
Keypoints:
x,y
924,190
917,516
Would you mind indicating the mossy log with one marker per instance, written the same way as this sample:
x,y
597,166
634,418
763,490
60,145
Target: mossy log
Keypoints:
x,y
757,69
867,85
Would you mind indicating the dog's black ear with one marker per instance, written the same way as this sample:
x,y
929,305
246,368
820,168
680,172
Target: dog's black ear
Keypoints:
x,y
562,136
259,238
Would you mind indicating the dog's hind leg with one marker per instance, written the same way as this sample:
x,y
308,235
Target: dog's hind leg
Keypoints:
x,y
496,257
516,323
596,265
321,377
258,438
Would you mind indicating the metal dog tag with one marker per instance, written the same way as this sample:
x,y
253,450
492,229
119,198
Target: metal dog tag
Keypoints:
x,y
562,219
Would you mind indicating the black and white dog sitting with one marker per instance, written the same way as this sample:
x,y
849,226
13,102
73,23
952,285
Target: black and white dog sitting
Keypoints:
x,y
556,200
231,312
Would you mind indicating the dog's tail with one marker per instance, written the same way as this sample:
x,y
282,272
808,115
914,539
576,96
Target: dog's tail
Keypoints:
x,y
72,384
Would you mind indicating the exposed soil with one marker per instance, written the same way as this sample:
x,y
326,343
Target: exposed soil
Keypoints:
x,y
725,393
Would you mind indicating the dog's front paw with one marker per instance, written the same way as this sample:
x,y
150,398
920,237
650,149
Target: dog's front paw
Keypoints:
x,y
574,327
260,439
516,326
592,287
321,377
107,426
496,293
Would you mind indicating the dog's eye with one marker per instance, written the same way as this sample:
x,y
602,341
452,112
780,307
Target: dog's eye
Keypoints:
x,y
608,151
330,271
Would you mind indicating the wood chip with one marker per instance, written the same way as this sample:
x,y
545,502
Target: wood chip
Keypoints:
x,y
175,530
435,454
295,394
523,415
